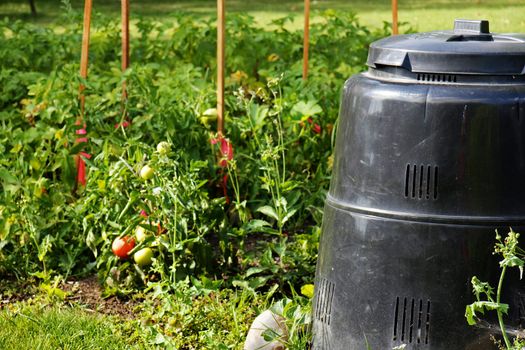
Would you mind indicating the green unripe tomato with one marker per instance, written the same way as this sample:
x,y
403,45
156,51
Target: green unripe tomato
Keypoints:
x,y
163,148
208,117
210,113
147,172
141,234
143,257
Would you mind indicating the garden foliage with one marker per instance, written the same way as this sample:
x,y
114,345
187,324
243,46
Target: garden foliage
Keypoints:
x,y
225,216
248,217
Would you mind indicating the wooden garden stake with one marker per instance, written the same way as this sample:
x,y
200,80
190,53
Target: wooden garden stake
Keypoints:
x,y
81,132
220,67
125,43
395,29
85,52
306,43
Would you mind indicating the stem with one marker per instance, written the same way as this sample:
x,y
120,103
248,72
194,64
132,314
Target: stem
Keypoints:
x,y
498,311
282,136
173,239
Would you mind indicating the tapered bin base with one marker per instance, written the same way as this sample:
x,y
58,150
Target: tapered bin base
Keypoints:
x,y
382,283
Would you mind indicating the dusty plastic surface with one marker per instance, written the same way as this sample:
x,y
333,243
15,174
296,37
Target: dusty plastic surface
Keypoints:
x,y
426,167
461,51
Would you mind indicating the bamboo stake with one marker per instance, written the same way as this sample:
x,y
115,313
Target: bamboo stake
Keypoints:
x,y
220,67
395,29
306,42
125,43
85,52
84,60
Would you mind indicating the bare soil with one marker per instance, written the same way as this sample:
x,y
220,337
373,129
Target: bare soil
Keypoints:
x,y
12,291
88,293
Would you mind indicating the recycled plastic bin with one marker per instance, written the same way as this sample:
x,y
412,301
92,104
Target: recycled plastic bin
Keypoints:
x,y
429,162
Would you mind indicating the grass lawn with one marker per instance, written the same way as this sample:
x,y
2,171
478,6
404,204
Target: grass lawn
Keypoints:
x,y
26,327
77,317
423,15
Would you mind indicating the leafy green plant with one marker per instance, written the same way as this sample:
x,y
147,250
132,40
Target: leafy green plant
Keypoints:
x,y
202,316
512,256
281,126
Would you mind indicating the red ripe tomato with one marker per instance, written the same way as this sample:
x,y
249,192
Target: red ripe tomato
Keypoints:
x,y
122,246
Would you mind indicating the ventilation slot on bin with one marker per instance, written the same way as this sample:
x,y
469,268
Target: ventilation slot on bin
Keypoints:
x,y
411,321
325,296
440,78
421,181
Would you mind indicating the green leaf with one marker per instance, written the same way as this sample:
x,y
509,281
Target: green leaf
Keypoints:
x,y
481,306
255,270
257,115
159,339
256,225
91,242
308,290
44,247
481,288
306,109
270,335
288,216
7,177
130,202
268,211
258,282
289,185
53,291
470,313
114,225
512,261
251,284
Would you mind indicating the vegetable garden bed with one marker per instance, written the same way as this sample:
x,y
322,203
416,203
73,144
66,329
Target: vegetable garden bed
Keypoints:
x,y
232,228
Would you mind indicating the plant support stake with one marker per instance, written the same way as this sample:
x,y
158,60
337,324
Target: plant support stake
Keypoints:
x,y
81,132
220,67
306,42
125,43
85,52
395,30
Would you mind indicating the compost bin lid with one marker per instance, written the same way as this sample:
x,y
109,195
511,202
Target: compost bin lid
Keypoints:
x,y
469,49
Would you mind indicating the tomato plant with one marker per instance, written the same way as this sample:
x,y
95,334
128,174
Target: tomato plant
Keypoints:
x,y
151,154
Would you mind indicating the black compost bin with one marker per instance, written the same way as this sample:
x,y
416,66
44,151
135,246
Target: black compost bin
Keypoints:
x,y
429,162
